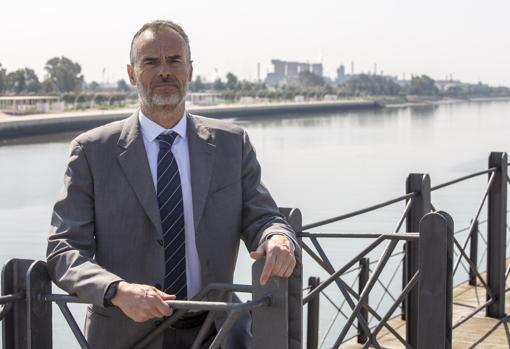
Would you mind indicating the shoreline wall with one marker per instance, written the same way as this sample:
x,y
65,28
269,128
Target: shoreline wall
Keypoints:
x,y
22,127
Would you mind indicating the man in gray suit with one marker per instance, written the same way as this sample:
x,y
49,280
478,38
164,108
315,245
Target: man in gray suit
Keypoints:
x,y
154,207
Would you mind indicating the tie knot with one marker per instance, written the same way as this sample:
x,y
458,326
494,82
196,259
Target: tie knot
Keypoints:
x,y
166,140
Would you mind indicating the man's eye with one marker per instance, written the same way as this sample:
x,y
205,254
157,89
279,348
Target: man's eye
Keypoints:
x,y
149,62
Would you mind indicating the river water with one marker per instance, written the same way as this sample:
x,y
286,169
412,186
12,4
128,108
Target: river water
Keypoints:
x,y
324,164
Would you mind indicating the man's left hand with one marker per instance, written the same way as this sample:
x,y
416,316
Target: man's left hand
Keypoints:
x,y
280,260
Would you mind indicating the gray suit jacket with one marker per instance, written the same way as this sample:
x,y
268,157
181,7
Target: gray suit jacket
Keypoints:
x,y
106,225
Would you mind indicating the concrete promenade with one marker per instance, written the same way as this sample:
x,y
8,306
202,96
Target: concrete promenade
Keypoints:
x,y
42,124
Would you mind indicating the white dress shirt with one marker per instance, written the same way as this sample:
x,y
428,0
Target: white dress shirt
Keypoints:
x,y
180,150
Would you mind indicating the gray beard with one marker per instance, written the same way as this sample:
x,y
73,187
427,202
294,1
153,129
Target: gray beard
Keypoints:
x,y
160,101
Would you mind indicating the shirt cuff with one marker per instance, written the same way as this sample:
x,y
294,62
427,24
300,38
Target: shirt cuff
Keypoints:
x,y
284,233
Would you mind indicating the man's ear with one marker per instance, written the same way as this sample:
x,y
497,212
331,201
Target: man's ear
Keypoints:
x,y
190,76
131,74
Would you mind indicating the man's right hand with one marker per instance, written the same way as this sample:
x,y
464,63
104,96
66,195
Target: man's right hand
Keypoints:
x,y
142,302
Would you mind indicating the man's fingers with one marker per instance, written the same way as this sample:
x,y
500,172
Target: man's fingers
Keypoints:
x,y
268,269
259,252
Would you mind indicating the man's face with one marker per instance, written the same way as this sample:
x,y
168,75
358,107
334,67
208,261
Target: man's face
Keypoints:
x,y
162,69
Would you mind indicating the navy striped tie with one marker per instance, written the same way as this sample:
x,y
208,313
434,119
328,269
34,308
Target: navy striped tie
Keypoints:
x,y
172,218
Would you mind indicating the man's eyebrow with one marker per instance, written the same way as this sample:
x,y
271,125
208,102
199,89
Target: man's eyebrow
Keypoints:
x,y
149,58
177,56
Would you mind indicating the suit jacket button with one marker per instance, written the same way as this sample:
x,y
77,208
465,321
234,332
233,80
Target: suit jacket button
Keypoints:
x,y
158,286
160,242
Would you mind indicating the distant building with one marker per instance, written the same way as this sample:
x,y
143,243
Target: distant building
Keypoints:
x,y
285,72
341,77
20,105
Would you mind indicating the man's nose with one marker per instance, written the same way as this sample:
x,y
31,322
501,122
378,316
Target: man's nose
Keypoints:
x,y
165,70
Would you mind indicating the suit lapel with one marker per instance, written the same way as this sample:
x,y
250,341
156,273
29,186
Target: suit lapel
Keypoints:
x,y
201,153
134,163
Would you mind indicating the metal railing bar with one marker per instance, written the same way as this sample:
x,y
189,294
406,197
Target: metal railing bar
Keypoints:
x,y
370,284
481,258
8,298
5,309
387,236
329,329
464,305
73,325
461,263
389,283
359,212
339,272
229,322
471,264
432,208
312,254
396,303
463,178
473,221
396,254
469,316
219,306
486,335
409,204
378,317
345,300
483,238
203,330
341,285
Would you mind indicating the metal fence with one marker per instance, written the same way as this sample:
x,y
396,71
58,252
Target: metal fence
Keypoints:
x,y
431,256
426,263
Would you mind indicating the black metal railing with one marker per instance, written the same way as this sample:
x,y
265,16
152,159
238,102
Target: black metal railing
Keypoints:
x,y
418,207
425,295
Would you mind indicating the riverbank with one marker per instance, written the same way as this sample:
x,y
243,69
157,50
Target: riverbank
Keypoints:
x,y
12,127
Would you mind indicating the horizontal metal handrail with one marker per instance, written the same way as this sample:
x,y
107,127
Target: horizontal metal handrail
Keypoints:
x,y
12,297
359,212
220,306
385,236
463,178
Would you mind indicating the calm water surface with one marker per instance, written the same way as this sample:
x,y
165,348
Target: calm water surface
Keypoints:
x,y
324,164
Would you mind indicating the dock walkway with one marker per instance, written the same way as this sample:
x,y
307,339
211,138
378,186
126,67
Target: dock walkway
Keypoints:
x,y
479,332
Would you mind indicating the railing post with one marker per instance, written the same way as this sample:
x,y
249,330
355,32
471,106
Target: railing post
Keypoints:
x,y
39,312
473,252
270,323
364,265
295,316
436,282
312,332
419,183
14,325
496,234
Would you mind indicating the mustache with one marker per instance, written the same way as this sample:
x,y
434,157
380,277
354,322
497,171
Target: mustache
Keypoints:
x,y
161,80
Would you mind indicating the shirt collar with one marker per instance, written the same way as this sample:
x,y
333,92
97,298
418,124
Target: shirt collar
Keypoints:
x,y
150,129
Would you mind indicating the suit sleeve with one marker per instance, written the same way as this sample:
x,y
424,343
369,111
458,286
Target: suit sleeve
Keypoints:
x,y
261,216
71,242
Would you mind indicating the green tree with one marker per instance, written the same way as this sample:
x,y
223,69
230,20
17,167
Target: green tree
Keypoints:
x,y
64,74
218,85
93,86
231,81
3,79
197,85
122,86
307,78
423,86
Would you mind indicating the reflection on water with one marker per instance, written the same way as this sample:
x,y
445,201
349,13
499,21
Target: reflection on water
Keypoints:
x,y
326,164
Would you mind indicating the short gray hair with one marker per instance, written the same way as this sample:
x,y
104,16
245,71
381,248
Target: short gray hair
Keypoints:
x,y
155,26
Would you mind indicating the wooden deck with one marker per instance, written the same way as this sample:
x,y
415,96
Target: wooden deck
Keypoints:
x,y
478,332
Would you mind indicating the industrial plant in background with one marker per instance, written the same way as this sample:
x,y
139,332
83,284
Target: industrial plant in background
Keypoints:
x,y
285,72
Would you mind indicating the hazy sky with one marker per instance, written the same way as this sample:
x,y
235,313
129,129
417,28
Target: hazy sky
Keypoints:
x,y
466,38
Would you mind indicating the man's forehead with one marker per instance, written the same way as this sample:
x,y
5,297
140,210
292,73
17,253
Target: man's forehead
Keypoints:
x,y
162,35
